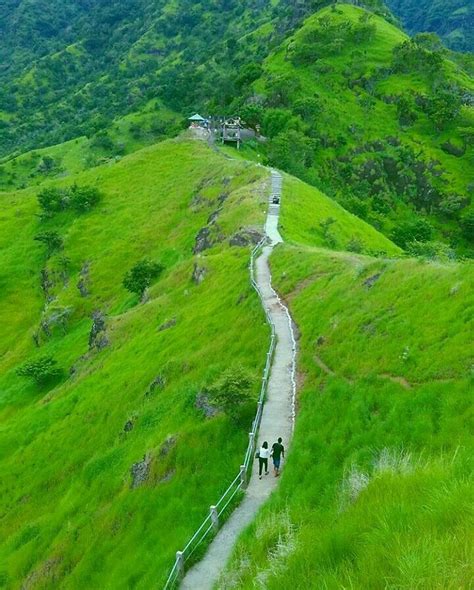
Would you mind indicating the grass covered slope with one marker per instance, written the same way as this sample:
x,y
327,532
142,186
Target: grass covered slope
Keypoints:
x,y
308,216
73,514
377,490
380,122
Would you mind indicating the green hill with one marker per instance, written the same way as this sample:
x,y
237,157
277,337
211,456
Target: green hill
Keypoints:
x,y
377,487
381,123
71,514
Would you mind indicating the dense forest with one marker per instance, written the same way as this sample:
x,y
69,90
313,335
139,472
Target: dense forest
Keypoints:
x,y
452,20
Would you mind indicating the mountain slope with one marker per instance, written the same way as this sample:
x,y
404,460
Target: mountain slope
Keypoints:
x,y
378,121
377,487
110,467
452,20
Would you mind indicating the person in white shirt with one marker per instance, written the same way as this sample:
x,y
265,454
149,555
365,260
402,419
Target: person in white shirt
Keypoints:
x,y
263,456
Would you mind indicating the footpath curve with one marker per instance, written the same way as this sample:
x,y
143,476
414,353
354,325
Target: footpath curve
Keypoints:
x,y
278,410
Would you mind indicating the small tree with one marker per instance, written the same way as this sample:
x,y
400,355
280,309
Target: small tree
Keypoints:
x,y
83,198
138,278
41,370
231,391
52,200
51,239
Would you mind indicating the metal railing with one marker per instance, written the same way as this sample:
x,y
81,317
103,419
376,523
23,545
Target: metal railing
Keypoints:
x,y
211,523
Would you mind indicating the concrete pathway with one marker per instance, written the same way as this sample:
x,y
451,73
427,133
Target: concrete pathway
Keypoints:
x,y
277,418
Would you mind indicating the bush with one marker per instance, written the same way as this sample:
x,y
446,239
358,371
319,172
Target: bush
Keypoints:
x,y
81,198
84,198
418,230
51,239
51,200
231,391
467,225
41,370
138,278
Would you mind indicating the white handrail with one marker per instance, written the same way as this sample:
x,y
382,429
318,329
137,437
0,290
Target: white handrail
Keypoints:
x,y
175,573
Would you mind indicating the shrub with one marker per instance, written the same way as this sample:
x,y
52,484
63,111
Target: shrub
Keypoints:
x,y
231,391
40,370
51,200
138,278
467,225
418,230
83,198
51,239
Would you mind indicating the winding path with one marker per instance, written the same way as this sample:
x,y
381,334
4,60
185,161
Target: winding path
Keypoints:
x,y
277,418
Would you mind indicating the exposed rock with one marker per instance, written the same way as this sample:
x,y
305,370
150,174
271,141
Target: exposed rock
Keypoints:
x,y
158,383
213,216
203,404
98,336
167,476
168,446
168,324
199,273
203,240
246,236
83,282
370,282
47,284
140,471
128,426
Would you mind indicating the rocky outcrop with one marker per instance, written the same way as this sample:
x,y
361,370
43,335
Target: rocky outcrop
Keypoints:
x,y
98,338
246,237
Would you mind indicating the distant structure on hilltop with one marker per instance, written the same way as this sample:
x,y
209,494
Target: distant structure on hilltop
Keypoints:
x,y
231,130
198,121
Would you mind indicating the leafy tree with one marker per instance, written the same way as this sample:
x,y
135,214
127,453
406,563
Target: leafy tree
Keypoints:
x,y
41,369
444,106
51,200
140,277
467,225
51,239
418,230
231,391
84,198
406,110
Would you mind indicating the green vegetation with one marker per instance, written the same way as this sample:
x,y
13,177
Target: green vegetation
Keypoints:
x,y
379,122
109,467
232,391
41,370
377,487
450,19
140,277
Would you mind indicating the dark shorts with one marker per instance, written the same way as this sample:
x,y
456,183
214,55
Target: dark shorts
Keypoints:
x,y
276,462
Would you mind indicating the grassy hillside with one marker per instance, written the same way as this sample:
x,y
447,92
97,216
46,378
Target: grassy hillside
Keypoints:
x,y
381,123
73,515
123,136
377,490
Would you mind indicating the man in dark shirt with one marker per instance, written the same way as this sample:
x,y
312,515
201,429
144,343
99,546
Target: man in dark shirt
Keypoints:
x,y
278,451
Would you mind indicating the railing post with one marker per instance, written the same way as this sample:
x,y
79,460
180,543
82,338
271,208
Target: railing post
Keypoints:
x,y
180,564
214,518
252,441
243,477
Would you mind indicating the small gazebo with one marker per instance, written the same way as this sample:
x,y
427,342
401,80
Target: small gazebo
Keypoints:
x,y
197,121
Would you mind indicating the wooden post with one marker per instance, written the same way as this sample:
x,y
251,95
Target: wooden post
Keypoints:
x,y
214,518
180,564
243,477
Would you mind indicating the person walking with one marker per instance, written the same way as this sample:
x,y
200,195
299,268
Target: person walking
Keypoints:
x,y
263,456
278,451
